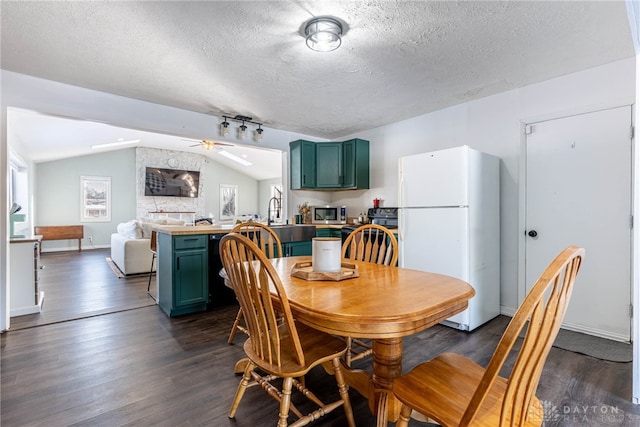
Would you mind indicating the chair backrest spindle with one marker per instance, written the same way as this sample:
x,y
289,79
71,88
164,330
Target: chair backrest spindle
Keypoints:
x,y
262,236
371,243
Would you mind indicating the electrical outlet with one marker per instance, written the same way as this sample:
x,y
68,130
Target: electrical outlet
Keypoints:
x,y
91,240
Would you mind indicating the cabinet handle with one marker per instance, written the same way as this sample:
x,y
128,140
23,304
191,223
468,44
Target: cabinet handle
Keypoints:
x,y
178,264
191,240
304,178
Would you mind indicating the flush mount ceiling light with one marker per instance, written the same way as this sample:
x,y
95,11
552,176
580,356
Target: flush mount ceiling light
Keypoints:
x,y
323,34
242,129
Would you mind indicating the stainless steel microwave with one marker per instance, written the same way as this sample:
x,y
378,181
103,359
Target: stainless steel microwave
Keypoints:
x,y
329,214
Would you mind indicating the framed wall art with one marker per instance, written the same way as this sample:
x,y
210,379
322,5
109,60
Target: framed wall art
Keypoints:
x,y
95,198
228,201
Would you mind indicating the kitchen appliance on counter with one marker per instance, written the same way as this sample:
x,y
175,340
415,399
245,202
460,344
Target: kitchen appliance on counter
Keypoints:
x,y
387,217
328,214
449,223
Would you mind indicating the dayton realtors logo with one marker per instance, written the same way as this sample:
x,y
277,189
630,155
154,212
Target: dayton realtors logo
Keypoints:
x,y
602,415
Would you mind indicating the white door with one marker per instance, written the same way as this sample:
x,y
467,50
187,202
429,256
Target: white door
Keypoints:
x,y
578,191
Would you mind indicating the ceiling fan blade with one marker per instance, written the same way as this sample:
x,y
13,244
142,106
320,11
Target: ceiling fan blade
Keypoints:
x,y
206,143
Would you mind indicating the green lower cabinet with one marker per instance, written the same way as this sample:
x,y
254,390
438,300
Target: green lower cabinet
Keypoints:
x,y
328,232
297,248
183,273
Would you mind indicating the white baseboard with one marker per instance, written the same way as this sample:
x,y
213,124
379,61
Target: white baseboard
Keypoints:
x,y
21,311
508,311
89,248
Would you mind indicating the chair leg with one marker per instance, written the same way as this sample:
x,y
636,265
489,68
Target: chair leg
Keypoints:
x,y
347,354
153,258
235,326
405,415
242,387
352,355
285,402
344,392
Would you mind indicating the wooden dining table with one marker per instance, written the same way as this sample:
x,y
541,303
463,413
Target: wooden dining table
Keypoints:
x,y
383,303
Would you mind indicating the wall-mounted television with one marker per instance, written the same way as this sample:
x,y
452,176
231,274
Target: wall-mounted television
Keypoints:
x,y
171,182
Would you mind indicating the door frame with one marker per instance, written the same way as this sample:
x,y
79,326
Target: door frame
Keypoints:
x,y
635,202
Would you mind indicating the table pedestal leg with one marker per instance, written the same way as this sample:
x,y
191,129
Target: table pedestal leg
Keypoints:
x,y
387,365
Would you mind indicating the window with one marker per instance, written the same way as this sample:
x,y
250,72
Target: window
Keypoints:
x,y
18,184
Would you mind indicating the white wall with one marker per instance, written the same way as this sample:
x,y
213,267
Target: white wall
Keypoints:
x,y
493,124
248,190
57,192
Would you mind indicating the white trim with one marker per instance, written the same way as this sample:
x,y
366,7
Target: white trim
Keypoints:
x,y
30,309
635,249
584,109
507,311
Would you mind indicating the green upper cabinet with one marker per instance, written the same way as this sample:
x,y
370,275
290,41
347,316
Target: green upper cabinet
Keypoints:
x,y
355,161
329,165
302,164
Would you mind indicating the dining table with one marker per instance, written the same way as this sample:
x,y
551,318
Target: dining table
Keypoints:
x,y
384,303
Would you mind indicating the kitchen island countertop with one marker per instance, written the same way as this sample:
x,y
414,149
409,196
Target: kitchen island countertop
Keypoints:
x,y
178,230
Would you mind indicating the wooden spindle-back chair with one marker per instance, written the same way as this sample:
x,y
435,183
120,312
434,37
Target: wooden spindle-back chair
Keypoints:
x,y
269,243
277,346
455,391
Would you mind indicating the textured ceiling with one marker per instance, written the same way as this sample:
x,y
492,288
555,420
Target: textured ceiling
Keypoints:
x,y
398,59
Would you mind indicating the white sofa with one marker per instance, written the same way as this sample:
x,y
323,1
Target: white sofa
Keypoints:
x,y
131,245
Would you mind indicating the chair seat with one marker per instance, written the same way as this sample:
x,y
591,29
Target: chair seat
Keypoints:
x,y
443,387
318,347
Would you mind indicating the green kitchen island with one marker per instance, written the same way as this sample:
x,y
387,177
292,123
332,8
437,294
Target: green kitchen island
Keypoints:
x,y
188,263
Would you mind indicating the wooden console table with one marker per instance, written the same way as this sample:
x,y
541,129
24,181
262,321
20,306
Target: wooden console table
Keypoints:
x,y
60,232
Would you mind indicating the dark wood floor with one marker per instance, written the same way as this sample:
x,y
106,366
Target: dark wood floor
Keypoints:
x,y
139,367
81,284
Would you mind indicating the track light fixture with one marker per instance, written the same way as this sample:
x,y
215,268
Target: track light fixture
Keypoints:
x,y
242,129
224,127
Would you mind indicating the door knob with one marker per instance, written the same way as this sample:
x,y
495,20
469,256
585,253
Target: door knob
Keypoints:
x,y
533,233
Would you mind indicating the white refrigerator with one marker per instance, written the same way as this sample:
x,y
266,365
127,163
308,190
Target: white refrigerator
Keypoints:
x,y
449,223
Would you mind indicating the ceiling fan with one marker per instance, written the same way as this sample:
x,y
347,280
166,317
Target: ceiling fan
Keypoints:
x,y
208,144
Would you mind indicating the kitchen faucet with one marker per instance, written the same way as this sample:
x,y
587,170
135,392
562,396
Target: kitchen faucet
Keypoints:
x,y
277,209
